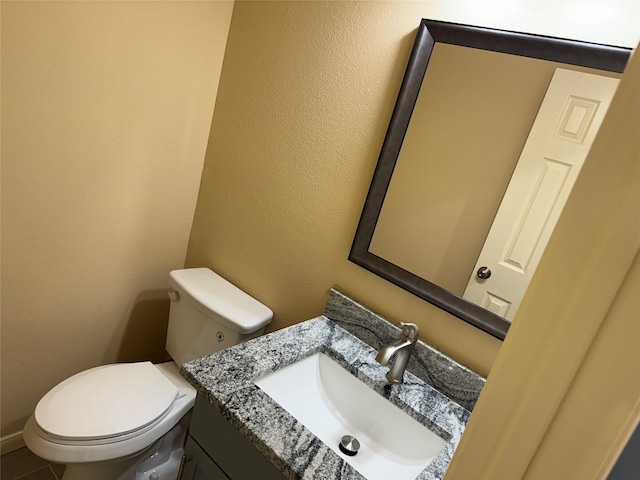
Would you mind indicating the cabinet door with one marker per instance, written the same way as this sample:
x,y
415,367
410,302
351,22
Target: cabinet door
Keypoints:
x,y
199,466
230,449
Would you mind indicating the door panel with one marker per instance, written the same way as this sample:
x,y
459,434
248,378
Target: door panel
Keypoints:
x,y
558,144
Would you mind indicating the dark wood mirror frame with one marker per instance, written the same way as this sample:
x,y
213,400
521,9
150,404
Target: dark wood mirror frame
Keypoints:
x,y
603,57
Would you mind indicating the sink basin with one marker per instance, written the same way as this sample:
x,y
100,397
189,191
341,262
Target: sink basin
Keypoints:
x,y
331,403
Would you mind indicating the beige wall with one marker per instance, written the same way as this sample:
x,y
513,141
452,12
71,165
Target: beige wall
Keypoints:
x,y
95,208
306,94
305,97
106,108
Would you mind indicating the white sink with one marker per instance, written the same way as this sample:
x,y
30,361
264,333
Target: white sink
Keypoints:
x,y
331,403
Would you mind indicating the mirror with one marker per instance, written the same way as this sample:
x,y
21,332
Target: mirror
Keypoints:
x,y
435,40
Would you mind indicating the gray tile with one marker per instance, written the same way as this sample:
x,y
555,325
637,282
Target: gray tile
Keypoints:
x,y
43,474
58,470
20,462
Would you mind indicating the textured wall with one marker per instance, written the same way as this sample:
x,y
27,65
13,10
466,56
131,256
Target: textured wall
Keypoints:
x,y
106,108
306,94
305,97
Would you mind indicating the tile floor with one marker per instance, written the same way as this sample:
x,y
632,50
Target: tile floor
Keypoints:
x,y
23,465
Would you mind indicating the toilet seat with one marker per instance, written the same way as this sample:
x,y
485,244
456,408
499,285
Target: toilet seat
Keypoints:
x,y
104,404
67,450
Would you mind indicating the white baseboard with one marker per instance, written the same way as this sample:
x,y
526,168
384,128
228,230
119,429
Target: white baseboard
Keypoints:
x,y
11,442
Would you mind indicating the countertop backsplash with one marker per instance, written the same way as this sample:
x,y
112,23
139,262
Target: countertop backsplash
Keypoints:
x,y
456,381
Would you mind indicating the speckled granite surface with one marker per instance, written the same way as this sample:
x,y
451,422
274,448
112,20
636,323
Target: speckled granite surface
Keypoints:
x,y
433,367
227,379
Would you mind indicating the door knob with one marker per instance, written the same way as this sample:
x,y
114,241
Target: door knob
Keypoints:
x,y
484,272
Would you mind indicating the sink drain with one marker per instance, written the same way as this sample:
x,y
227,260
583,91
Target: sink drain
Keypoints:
x,y
349,445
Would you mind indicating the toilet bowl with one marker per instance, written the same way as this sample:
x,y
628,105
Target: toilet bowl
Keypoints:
x,y
129,421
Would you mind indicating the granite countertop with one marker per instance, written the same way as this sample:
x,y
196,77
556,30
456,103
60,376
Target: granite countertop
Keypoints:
x,y
226,379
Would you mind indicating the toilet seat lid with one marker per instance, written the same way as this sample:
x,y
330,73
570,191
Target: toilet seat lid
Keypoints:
x,y
106,401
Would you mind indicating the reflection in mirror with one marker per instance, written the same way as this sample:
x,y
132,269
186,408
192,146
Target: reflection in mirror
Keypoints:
x,y
478,129
427,216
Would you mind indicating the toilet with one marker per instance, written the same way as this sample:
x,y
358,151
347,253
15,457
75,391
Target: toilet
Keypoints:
x,y
129,420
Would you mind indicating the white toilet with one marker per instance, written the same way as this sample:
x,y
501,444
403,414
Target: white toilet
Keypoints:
x,y
129,421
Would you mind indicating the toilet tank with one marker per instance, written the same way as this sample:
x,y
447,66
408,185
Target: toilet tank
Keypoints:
x,y
208,314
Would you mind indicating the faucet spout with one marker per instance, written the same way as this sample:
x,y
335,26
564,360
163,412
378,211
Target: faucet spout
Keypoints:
x,y
400,350
388,351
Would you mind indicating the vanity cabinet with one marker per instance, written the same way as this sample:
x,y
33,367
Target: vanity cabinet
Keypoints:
x,y
198,465
216,450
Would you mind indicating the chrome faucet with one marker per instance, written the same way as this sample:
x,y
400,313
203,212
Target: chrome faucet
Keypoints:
x,y
401,349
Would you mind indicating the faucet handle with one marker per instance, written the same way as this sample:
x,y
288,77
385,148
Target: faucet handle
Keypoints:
x,y
409,330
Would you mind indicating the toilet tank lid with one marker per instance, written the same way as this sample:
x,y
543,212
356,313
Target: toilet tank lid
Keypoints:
x,y
211,293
